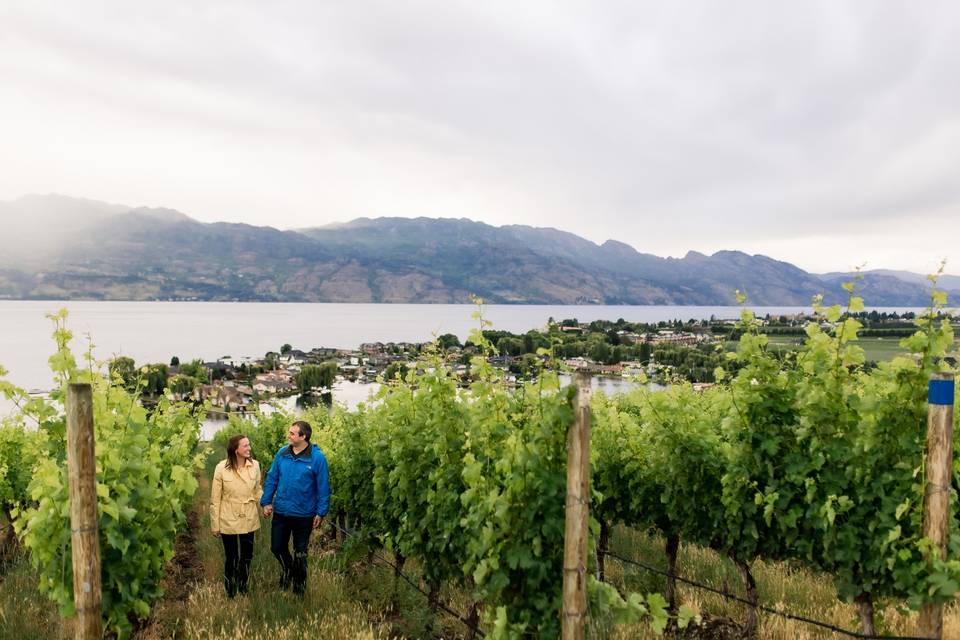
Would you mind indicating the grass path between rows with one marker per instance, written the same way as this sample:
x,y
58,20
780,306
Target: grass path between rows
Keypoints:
x,y
344,600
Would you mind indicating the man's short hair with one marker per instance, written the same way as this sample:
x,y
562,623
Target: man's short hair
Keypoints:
x,y
305,429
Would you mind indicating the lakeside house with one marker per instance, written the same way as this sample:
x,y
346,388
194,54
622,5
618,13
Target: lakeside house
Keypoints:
x,y
672,337
587,365
276,382
573,329
217,369
232,399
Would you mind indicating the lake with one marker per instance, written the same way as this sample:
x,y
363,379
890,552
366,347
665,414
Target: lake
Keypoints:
x,y
155,331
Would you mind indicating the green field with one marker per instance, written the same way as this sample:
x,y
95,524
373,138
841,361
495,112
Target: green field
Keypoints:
x,y
877,349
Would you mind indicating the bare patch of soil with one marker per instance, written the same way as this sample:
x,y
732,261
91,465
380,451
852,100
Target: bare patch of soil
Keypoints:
x,y
10,549
182,575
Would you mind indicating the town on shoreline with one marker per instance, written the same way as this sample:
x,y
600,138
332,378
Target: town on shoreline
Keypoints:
x,y
666,351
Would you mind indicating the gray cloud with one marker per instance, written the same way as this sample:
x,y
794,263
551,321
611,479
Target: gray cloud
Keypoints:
x,y
821,133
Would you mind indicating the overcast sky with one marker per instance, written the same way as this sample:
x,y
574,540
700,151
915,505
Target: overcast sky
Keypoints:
x,y
824,133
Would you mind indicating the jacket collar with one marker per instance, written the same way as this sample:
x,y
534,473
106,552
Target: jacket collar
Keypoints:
x,y
306,453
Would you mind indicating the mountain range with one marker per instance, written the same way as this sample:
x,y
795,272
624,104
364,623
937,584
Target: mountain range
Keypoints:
x,y
57,247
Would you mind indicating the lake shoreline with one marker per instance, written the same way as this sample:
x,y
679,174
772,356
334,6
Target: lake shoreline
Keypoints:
x,y
154,331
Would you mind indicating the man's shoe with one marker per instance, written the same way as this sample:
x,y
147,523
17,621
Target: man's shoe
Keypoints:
x,y
299,587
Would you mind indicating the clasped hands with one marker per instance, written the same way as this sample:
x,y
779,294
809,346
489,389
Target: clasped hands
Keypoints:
x,y
268,511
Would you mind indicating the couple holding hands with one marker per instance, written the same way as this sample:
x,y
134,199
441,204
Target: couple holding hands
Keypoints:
x,y
296,494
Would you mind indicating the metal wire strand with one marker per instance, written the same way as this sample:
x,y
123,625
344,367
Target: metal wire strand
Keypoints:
x,y
413,584
790,616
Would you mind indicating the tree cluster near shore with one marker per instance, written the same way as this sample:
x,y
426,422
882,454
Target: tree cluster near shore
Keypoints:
x,y
316,376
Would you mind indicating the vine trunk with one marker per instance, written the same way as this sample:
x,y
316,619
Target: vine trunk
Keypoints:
x,y
865,608
750,587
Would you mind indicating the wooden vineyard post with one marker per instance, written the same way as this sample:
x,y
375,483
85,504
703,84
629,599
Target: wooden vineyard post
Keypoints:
x,y
576,534
939,463
84,534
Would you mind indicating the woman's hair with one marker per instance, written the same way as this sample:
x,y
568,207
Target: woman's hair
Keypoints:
x,y
232,446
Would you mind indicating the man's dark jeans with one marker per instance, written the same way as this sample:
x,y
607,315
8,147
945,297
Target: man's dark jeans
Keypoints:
x,y
293,568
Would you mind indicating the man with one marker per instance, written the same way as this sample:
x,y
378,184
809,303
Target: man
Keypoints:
x,y
296,494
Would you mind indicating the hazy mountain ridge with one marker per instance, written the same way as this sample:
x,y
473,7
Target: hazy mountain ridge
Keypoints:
x,y
946,282
62,247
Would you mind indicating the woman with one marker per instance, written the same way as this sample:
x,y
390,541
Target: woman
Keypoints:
x,y
234,516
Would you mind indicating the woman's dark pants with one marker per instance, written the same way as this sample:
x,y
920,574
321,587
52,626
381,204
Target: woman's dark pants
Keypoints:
x,y
238,552
293,568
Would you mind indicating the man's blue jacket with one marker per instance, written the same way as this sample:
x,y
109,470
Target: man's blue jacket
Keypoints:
x,y
298,485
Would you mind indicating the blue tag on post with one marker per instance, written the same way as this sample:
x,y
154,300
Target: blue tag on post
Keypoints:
x,y
940,392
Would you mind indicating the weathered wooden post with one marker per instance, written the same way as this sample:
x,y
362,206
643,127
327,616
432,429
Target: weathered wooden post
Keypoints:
x,y
84,534
576,534
939,463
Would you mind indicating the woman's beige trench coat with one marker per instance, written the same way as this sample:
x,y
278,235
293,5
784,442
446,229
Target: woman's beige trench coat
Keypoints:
x,y
235,498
